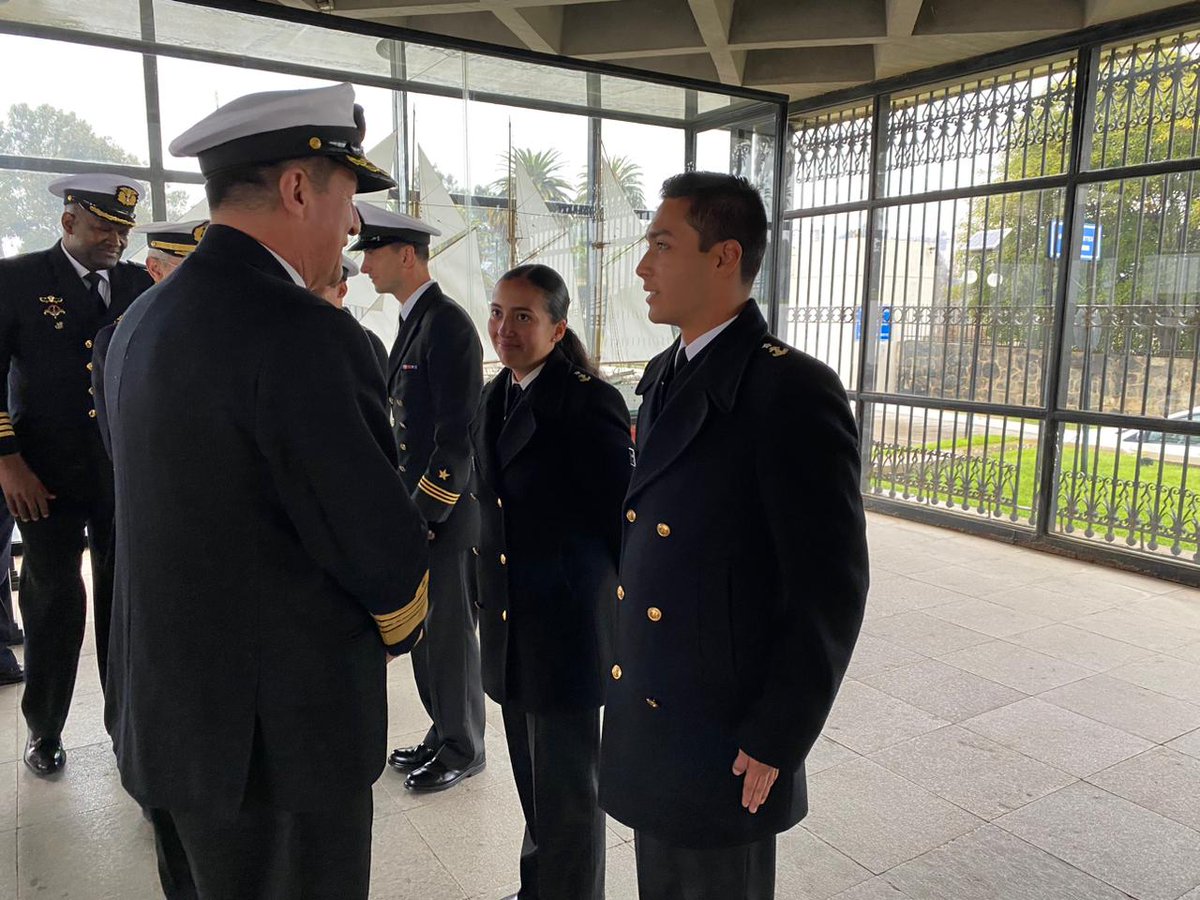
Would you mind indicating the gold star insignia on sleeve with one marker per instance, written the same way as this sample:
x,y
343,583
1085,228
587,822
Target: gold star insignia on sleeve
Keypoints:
x,y
443,474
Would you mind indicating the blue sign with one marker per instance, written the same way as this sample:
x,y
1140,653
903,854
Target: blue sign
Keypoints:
x,y
1089,246
885,324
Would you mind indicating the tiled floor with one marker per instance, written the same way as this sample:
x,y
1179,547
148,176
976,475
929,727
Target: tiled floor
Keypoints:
x,y
1014,727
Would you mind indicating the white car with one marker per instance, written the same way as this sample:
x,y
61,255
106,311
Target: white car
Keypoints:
x,y
1167,446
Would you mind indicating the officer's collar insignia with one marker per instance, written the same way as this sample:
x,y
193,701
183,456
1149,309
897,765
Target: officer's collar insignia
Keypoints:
x,y
775,350
583,378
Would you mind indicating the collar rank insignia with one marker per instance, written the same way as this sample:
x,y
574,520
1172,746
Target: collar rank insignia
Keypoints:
x,y
583,377
775,350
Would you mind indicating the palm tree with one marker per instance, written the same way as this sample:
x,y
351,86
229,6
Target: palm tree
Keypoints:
x,y
628,174
544,167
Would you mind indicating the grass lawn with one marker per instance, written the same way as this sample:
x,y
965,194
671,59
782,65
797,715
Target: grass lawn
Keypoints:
x,y
1096,480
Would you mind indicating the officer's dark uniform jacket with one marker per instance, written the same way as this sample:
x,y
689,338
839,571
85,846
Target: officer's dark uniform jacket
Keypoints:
x,y
742,584
551,480
435,374
264,542
48,324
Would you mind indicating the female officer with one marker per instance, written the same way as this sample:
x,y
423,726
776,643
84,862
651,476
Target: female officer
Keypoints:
x,y
553,451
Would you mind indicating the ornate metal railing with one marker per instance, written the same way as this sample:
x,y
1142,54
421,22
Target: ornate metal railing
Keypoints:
x,y
944,477
1149,515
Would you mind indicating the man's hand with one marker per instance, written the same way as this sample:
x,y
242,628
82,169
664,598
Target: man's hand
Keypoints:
x,y
26,496
759,778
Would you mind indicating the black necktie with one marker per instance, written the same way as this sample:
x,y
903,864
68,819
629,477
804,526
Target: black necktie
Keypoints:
x,y
678,363
93,280
515,393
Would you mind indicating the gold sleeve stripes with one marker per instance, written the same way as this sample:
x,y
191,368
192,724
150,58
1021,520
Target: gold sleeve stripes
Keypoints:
x,y
6,426
397,627
437,492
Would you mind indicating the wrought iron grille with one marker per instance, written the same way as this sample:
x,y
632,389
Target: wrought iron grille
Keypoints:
x,y
1005,127
832,154
1148,101
1025,354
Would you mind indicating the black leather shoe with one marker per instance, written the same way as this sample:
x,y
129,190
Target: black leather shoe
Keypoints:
x,y
435,775
45,756
408,758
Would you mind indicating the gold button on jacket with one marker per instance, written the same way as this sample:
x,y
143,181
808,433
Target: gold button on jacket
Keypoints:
x,y
616,673
654,614
620,592
664,530
631,516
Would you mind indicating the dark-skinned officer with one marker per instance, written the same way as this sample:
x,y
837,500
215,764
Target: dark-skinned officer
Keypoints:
x,y
743,564
55,474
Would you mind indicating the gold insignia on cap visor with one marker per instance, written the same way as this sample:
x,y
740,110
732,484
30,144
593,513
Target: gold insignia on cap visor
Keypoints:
x,y
198,232
127,196
363,162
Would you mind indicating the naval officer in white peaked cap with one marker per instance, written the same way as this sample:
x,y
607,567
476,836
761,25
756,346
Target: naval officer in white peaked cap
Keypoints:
x,y
271,559
435,378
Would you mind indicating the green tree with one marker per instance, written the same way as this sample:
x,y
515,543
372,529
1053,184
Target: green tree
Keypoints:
x,y
545,168
628,174
29,217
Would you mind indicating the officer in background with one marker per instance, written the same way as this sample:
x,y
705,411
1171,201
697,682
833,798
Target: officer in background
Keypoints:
x,y
435,377
167,245
743,564
335,295
55,474
269,558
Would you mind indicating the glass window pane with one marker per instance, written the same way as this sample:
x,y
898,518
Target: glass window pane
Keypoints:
x,y
643,156
115,17
489,74
1133,326
59,115
996,128
259,37
628,95
1148,101
1141,494
974,464
433,65
964,302
832,152
822,312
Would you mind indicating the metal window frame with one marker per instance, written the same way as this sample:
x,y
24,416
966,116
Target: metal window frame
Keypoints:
x,y
1050,414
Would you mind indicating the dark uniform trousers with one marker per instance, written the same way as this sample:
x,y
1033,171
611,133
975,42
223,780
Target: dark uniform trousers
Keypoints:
x,y
446,662
665,872
48,323
53,598
434,376
265,852
555,761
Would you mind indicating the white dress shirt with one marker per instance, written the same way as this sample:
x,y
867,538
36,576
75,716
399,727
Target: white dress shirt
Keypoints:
x,y
406,307
704,340
84,272
287,267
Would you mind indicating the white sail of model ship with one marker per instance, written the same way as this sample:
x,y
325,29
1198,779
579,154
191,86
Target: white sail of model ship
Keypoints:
x,y
544,237
625,333
454,257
